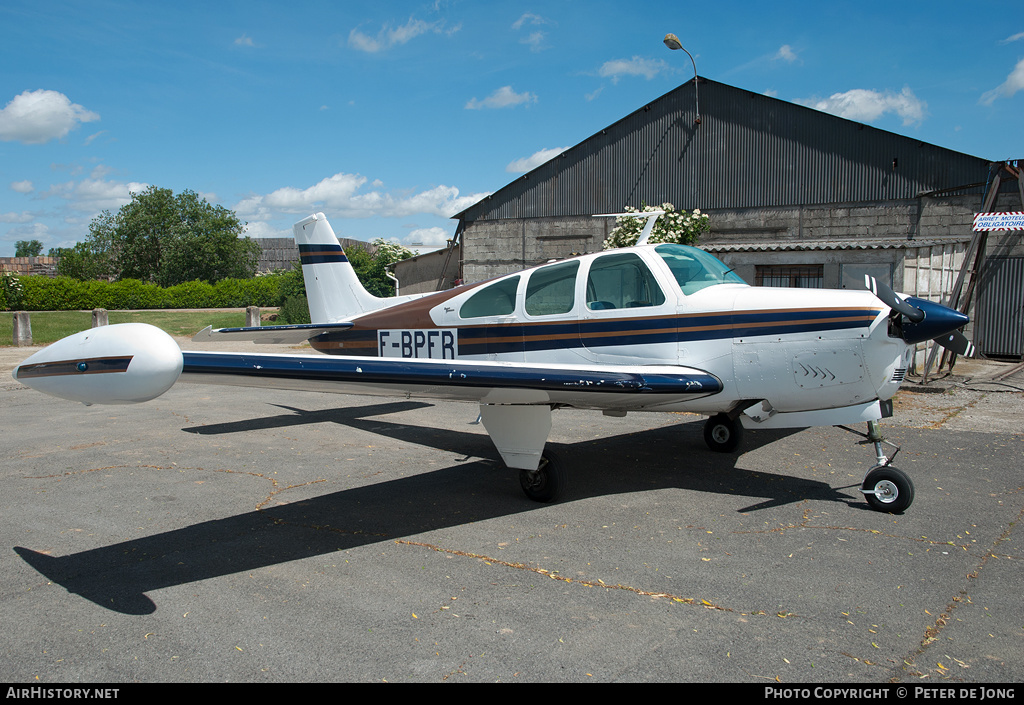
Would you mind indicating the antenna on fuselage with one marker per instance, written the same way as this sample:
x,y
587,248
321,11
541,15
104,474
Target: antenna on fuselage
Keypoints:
x,y
652,218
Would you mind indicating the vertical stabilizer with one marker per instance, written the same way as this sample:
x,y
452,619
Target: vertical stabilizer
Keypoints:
x,y
332,288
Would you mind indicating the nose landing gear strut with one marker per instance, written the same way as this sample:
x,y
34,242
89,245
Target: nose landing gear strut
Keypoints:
x,y
886,488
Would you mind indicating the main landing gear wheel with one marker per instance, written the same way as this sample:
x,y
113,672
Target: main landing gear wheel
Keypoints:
x,y
546,482
888,489
722,434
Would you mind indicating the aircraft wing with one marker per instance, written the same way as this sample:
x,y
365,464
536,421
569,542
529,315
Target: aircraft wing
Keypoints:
x,y
135,362
270,335
594,386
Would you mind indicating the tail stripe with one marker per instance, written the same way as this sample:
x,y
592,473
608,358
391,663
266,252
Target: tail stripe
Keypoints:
x,y
321,254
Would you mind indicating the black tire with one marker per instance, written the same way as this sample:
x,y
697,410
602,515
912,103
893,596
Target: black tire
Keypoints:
x,y
545,483
722,434
890,490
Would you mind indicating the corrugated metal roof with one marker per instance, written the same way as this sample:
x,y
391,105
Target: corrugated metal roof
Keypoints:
x,y
804,245
750,150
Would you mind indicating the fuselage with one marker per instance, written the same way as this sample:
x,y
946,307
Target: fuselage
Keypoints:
x,y
653,305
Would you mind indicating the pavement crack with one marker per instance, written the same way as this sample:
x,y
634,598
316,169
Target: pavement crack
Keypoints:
x,y
806,524
596,583
932,632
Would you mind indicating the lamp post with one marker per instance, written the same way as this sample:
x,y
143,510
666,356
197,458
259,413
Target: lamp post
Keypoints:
x,y
672,42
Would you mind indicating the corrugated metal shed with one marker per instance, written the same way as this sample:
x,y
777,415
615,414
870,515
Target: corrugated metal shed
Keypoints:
x,y
806,245
750,150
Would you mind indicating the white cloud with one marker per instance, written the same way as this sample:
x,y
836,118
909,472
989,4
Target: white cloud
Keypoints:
x,y
528,17
245,41
34,231
389,36
23,186
1013,83
535,41
1013,38
35,117
426,239
91,138
521,166
260,229
504,97
95,194
786,53
23,217
867,105
637,66
343,194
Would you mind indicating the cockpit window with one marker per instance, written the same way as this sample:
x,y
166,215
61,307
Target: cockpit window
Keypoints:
x,y
622,280
552,289
497,299
695,269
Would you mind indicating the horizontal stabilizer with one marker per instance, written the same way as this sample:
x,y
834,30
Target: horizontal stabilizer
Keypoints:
x,y
269,335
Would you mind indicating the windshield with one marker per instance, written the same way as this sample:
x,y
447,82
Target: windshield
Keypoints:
x,y
695,269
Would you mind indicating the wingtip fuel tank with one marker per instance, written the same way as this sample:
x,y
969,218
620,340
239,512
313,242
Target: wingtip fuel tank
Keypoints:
x,y
120,364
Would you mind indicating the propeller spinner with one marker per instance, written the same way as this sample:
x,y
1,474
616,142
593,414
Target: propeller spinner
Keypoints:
x,y
916,320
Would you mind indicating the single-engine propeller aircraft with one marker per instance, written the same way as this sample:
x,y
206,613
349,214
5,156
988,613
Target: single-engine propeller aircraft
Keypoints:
x,y
660,327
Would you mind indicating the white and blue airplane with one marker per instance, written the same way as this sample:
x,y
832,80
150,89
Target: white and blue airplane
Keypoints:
x,y
655,327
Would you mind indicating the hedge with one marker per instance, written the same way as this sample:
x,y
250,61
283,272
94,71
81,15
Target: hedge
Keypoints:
x,y
66,294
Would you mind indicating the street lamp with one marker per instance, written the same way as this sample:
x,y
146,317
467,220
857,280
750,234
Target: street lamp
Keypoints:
x,y
672,42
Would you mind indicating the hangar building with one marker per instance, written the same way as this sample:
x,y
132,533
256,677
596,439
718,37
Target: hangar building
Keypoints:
x,y
796,197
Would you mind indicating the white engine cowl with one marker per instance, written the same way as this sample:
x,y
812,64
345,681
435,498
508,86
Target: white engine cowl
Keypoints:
x,y
120,364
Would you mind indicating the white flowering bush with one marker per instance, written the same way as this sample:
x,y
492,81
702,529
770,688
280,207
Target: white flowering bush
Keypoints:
x,y
674,226
11,291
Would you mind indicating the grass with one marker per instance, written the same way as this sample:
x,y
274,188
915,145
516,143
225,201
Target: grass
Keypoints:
x,y
51,326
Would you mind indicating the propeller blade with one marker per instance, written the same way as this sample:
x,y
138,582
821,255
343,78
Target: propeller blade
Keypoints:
x,y
956,342
889,298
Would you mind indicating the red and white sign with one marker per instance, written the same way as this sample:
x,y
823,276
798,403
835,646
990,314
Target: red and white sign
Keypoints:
x,y
999,221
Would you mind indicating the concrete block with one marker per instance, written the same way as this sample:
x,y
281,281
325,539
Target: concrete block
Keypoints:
x,y
22,329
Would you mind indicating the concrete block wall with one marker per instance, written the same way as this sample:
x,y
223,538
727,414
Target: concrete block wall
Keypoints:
x,y
492,248
496,247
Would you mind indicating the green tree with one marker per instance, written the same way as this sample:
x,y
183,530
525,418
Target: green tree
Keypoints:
x,y
83,261
166,239
372,268
27,248
674,226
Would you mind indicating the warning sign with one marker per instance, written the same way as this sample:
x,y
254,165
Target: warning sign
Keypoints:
x,y
999,221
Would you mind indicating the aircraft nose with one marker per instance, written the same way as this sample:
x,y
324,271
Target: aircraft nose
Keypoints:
x,y
938,320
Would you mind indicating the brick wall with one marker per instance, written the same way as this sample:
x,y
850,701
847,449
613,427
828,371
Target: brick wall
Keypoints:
x,y
25,266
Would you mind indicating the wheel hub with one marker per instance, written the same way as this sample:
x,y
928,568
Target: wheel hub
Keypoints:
x,y
885,491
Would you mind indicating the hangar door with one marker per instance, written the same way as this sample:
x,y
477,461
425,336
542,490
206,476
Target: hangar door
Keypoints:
x,y
999,330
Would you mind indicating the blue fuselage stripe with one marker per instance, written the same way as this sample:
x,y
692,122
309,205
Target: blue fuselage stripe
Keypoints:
x,y
525,337
520,337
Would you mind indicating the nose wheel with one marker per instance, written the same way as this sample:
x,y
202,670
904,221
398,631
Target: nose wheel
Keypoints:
x,y
888,489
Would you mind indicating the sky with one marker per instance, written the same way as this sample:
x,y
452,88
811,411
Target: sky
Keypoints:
x,y
390,117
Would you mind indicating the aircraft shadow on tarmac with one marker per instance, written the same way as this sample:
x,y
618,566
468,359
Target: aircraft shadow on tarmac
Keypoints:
x,y
118,576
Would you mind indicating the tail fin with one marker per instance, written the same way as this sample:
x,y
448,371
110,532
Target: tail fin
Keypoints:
x,y
332,288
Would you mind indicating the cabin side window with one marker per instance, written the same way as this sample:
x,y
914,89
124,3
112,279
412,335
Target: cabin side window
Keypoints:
x,y
695,269
552,290
622,281
497,299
